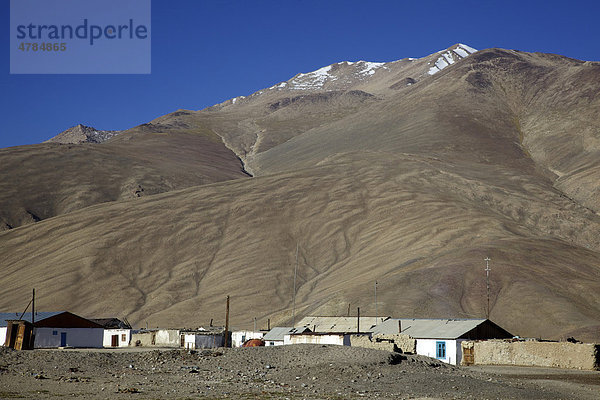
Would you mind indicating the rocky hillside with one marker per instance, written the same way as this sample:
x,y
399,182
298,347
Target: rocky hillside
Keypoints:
x,y
82,134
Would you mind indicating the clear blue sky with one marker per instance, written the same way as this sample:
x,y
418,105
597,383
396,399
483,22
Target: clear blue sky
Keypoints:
x,y
204,52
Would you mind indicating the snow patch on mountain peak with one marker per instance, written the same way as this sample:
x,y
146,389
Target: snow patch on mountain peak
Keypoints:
x,y
312,80
369,67
449,57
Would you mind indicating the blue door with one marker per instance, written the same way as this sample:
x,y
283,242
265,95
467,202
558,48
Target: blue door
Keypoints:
x,y
63,339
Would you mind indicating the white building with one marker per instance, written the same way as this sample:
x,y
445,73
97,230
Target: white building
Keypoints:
x,y
238,338
116,332
66,329
442,338
341,339
276,336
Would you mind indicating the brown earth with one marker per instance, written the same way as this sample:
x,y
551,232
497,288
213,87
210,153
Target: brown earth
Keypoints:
x,y
292,372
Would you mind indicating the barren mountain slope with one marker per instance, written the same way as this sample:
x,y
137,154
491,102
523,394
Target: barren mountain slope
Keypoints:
x,y
496,106
45,180
272,116
419,226
408,181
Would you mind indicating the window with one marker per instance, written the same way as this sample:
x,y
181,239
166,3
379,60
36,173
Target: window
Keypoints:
x,y
54,333
123,337
440,350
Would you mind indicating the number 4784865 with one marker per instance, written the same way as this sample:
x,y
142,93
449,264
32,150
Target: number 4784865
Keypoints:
x,y
42,46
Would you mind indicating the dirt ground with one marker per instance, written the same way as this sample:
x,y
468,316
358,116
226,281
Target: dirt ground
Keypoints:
x,y
284,372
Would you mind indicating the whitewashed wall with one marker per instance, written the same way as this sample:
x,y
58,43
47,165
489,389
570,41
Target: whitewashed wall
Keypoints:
x,y
273,342
338,339
2,335
189,341
108,333
168,338
76,337
427,347
239,337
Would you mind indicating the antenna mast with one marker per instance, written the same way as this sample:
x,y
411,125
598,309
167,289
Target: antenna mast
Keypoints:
x,y
375,302
294,297
487,279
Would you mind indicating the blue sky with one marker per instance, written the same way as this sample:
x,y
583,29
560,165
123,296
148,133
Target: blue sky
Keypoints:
x,y
204,52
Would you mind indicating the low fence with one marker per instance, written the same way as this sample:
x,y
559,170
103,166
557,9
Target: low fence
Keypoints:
x,y
532,353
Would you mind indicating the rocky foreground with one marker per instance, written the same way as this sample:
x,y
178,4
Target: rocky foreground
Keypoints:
x,y
286,372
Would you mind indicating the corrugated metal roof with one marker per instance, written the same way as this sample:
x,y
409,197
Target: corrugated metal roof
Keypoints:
x,y
39,315
340,324
111,323
422,328
278,332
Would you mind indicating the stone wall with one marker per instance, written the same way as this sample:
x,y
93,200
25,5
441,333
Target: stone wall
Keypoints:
x,y
534,353
397,343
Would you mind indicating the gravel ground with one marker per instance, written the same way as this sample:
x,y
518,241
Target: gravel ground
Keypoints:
x,y
284,372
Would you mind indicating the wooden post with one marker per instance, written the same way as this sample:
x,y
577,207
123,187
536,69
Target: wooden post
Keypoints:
x,y
358,321
227,323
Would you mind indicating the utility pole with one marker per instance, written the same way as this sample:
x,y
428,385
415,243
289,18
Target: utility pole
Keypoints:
x,y
358,320
294,297
32,338
227,323
375,302
487,279
33,308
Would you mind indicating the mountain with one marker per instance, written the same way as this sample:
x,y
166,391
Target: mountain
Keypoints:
x,y
49,179
82,134
409,173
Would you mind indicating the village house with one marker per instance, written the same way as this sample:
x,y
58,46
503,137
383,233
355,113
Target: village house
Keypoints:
x,y
66,329
442,338
60,329
276,336
116,332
